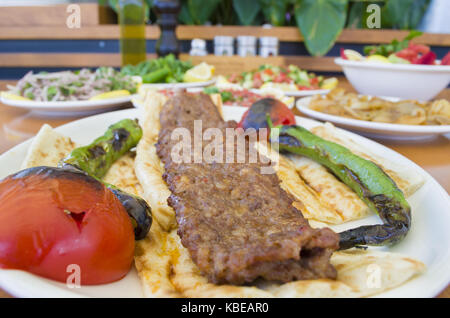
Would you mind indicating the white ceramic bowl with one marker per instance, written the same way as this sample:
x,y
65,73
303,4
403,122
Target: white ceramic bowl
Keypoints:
x,y
408,81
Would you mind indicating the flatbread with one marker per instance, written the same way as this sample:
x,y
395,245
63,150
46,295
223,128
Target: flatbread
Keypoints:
x,y
320,196
121,174
167,270
360,274
148,167
336,195
47,148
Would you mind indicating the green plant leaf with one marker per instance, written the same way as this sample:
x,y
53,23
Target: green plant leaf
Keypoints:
x,y
225,14
321,22
354,15
184,16
403,14
246,10
201,11
275,11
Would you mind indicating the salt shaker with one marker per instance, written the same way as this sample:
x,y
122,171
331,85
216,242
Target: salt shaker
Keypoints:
x,y
268,46
246,45
223,45
198,47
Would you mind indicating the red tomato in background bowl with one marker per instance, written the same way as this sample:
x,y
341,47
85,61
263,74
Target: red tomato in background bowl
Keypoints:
x,y
51,218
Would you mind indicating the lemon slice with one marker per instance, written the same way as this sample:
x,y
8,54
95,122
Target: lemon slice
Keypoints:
x,y
329,83
8,95
397,60
352,55
111,94
201,73
377,59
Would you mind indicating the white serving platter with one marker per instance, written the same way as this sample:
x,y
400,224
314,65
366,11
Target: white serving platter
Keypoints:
x,y
428,240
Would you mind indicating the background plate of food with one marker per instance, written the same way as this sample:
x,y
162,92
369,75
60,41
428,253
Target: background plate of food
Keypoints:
x,y
71,92
169,72
379,117
292,80
177,85
416,267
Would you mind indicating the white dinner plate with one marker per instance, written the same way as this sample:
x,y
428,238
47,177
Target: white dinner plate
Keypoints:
x,y
374,129
178,85
77,107
428,240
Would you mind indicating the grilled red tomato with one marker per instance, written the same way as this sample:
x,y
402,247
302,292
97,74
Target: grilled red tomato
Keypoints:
x,y
53,220
256,115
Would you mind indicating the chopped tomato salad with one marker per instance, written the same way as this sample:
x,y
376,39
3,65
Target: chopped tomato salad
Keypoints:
x,y
291,75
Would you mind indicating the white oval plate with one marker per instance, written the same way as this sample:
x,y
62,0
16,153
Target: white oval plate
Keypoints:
x,y
300,93
374,129
68,107
428,240
178,85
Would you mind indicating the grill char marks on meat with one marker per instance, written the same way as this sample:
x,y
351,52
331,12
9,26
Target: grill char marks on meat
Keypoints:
x,y
238,224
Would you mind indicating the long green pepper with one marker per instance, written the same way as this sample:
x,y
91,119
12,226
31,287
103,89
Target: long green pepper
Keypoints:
x,y
364,177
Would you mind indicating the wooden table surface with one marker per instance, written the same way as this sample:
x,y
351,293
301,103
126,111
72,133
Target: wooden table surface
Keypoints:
x,y
17,125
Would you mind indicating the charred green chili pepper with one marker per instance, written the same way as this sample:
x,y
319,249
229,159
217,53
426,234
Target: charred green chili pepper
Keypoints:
x,y
364,177
96,158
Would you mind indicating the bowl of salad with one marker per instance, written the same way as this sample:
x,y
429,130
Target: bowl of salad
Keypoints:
x,y
292,80
399,69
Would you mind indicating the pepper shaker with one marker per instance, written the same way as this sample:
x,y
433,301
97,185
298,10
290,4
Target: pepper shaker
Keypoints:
x,y
167,12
